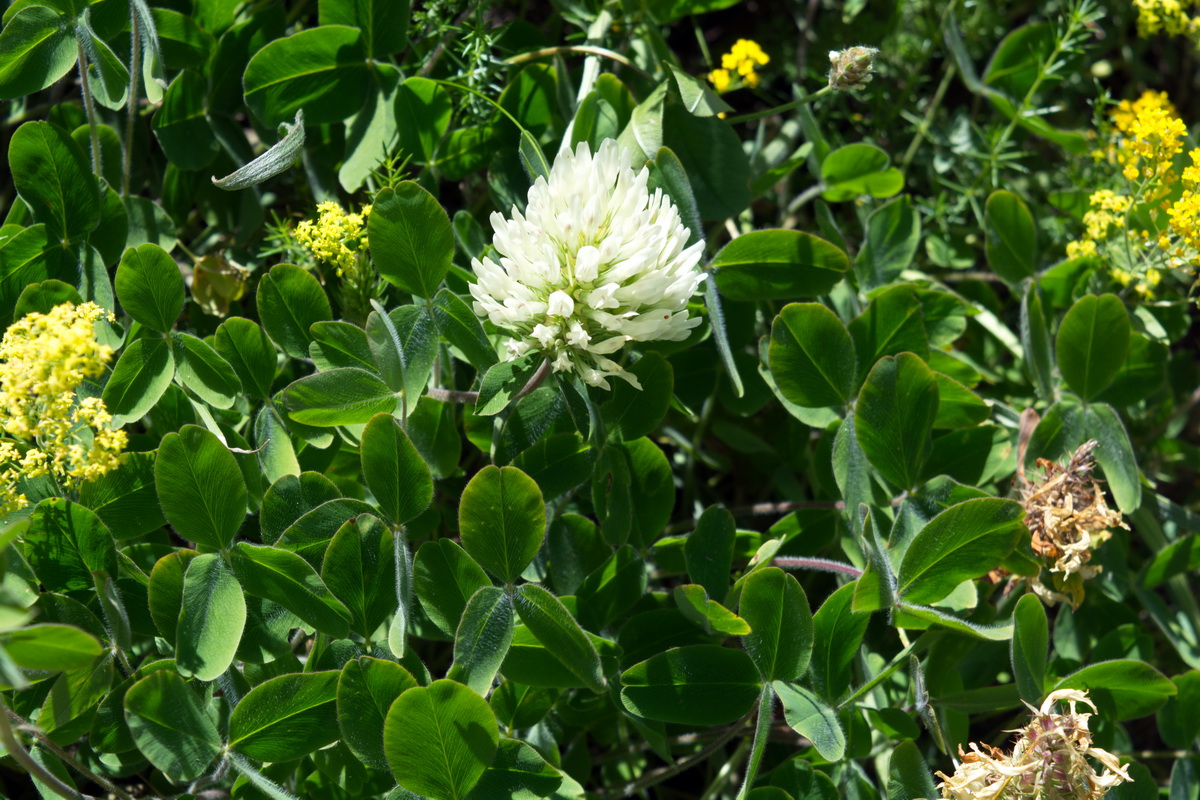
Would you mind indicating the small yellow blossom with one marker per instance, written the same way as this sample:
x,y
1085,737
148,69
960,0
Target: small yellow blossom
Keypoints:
x,y
720,79
741,61
1166,16
44,358
336,237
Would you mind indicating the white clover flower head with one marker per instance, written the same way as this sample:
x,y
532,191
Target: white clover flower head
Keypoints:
x,y
596,260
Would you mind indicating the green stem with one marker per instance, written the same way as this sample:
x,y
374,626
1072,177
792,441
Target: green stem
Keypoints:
x,y
927,120
135,55
88,105
762,732
68,759
920,644
800,101
581,49
35,770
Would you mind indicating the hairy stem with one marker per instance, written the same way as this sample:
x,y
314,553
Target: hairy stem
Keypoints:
x,y
799,101
762,732
36,770
135,55
89,106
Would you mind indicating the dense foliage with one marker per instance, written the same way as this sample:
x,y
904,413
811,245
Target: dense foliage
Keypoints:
x,y
674,399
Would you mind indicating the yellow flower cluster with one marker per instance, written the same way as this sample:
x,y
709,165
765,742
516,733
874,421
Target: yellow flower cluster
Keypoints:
x,y
43,359
741,61
1146,138
336,237
1166,16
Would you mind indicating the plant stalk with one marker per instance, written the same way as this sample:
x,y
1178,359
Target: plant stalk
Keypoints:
x,y
762,732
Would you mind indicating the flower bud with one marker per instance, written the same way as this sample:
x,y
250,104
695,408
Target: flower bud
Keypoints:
x,y
851,68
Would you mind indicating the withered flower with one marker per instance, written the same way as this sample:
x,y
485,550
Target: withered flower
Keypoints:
x,y
1068,519
1048,761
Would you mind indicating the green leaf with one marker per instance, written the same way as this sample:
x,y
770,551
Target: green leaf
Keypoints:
x,y
423,110
276,455
445,578
698,685
778,265
549,620
366,690
42,296
181,123
411,239
908,774
1011,237
557,463
200,486
278,158
963,542
170,726
708,551
711,154
892,324
808,716
1029,648
698,98
150,287
285,578
291,498
51,647
204,371
394,471
286,717
142,374
633,413
837,635
360,569
340,344
532,157
502,520
858,169
710,615
440,739
781,637
893,233
518,772
1179,720
289,301
612,588
384,22
812,356
343,396
1122,689
211,619
459,326
165,591
65,543
321,70
483,638
958,406
503,382
36,49
894,417
53,177
1093,340
716,318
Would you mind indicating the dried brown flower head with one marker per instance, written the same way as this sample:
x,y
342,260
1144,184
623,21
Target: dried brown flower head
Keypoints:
x,y
1068,519
1048,760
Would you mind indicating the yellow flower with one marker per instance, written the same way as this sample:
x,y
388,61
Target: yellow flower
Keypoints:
x,y
44,359
720,80
742,60
336,237
1169,16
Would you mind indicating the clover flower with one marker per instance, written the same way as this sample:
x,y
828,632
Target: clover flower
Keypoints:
x,y
851,68
1068,519
742,61
336,237
596,260
1048,761
44,358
